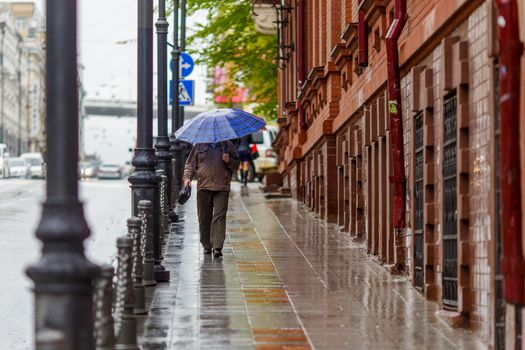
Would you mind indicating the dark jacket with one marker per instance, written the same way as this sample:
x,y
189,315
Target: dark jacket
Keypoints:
x,y
205,162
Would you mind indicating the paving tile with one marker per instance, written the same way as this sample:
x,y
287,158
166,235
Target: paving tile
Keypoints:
x,y
286,281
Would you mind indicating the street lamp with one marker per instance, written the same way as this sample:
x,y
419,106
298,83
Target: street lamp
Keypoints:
x,y
144,181
183,146
162,142
63,276
176,181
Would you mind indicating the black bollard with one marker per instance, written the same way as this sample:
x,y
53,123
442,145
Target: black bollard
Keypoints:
x,y
104,325
148,275
125,321
134,232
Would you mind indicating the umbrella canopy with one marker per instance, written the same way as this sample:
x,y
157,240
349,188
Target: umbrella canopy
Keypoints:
x,y
219,125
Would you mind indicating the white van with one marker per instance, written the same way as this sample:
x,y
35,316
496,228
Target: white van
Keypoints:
x,y
267,159
36,162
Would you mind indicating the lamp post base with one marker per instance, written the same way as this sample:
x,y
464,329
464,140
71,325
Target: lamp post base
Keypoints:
x,y
161,274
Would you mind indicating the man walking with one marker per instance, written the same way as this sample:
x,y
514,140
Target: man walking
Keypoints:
x,y
213,165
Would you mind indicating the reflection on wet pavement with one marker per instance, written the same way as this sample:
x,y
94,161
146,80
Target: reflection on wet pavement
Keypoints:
x,y
286,281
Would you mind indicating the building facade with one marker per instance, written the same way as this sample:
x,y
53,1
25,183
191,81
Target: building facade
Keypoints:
x,y
22,87
338,133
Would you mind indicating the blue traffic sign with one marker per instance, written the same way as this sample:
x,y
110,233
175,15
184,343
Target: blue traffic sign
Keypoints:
x,y
186,92
186,65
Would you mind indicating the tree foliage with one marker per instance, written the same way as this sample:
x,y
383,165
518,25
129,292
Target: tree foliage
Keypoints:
x,y
228,39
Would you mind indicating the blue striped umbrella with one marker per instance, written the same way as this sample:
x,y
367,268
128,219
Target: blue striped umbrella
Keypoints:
x,y
219,125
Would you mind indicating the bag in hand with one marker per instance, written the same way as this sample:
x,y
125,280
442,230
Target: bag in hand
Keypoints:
x,y
184,195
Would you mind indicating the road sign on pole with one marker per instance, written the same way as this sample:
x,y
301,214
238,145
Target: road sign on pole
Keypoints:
x,y
186,92
186,65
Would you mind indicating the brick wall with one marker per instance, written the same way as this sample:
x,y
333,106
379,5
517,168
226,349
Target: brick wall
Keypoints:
x,y
341,104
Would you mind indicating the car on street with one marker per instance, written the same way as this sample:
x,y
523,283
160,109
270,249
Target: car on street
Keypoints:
x,y
4,166
267,159
19,167
110,171
36,163
88,170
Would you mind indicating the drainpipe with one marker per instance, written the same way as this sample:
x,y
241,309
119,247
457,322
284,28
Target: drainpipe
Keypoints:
x,y
300,58
362,28
511,49
395,112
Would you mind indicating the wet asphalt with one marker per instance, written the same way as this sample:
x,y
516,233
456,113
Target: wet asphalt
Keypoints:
x,y
107,206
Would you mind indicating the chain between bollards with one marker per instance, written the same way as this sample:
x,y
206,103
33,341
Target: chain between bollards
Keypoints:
x,y
165,207
161,242
148,272
125,321
104,325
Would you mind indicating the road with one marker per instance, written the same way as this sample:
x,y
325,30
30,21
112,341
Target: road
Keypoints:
x,y
107,206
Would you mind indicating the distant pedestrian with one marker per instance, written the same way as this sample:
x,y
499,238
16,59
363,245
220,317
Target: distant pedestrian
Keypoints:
x,y
213,164
245,156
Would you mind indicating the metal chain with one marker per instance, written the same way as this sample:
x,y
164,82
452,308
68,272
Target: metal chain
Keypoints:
x,y
136,270
144,234
164,207
122,285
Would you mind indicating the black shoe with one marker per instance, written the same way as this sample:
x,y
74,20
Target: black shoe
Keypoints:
x,y
207,251
217,253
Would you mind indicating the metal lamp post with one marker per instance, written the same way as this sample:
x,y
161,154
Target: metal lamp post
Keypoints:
x,y
144,181
175,149
63,276
183,146
162,144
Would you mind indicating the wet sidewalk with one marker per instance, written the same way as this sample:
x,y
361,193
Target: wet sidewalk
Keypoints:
x,y
286,281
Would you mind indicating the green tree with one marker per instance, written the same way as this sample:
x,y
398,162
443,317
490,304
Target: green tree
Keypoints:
x,y
228,39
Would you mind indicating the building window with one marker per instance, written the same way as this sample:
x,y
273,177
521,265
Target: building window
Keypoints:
x,y
419,238
20,23
450,227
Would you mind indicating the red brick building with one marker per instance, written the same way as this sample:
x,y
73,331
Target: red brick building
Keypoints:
x,y
337,133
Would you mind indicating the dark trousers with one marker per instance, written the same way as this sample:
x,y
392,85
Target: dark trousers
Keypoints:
x,y
211,209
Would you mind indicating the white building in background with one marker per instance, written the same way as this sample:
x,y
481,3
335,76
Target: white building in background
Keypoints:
x,y
22,78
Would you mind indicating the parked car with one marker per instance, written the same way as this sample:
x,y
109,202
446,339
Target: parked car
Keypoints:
x,y
36,162
109,171
4,167
88,169
267,159
19,167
